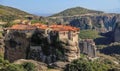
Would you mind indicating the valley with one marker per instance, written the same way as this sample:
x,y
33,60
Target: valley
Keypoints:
x,y
62,42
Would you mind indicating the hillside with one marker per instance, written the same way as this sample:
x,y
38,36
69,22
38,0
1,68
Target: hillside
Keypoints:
x,y
76,11
9,13
87,19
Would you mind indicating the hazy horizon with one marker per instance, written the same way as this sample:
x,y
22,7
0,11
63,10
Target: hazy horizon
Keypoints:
x,y
48,8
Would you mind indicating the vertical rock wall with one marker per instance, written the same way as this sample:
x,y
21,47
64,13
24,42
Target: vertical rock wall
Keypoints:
x,y
41,46
16,46
88,47
117,32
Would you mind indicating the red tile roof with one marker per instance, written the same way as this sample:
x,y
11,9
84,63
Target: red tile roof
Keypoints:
x,y
42,26
63,28
22,27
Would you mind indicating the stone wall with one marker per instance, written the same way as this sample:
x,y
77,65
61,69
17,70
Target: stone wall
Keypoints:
x,y
88,47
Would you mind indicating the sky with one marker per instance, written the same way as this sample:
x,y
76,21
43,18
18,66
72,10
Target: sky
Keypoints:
x,y
55,6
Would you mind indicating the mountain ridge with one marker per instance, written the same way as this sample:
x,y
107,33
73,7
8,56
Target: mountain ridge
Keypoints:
x,y
9,13
76,11
6,10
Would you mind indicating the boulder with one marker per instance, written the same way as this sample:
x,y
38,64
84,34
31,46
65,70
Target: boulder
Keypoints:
x,y
59,64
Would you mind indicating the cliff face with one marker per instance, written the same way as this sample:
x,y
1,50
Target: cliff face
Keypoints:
x,y
100,22
117,32
42,45
50,48
16,46
87,19
88,47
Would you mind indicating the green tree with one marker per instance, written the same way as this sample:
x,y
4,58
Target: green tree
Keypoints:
x,y
29,66
13,67
86,65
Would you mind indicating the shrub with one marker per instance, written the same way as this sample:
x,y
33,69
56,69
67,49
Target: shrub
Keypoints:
x,y
9,24
3,63
29,66
86,65
6,66
13,67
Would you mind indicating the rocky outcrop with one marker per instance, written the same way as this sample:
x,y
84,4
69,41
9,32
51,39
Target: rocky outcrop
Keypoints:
x,y
52,49
88,47
16,46
59,65
71,51
40,48
100,22
116,31
40,45
39,66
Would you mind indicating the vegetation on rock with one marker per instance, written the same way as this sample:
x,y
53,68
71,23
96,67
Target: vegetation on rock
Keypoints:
x,y
86,65
9,13
88,34
76,11
6,66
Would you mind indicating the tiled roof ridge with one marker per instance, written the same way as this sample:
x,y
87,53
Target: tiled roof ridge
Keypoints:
x,y
55,27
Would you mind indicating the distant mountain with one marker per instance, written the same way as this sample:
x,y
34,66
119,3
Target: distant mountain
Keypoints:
x,y
76,11
9,13
43,14
87,19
